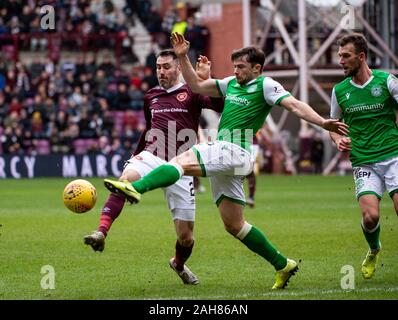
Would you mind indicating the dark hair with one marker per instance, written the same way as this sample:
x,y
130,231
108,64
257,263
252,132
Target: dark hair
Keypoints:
x,y
254,55
357,39
166,53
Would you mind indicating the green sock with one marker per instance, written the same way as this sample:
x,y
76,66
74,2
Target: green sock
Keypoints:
x,y
256,241
373,238
163,176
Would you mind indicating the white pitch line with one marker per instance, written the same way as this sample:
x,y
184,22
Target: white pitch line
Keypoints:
x,y
282,294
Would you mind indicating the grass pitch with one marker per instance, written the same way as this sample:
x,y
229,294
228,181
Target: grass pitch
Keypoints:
x,y
309,218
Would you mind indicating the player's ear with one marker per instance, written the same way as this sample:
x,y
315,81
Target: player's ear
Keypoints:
x,y
258,68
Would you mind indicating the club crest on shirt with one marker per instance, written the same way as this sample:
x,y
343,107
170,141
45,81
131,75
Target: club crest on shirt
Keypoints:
x,y
252,88
376,91
182,96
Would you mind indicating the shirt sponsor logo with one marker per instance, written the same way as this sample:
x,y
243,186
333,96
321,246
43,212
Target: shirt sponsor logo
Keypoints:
x,y
182,96
237,100
376,91
168,110
365,107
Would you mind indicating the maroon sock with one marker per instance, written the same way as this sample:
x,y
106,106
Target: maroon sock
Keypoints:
x,y
251,179
111,210
182,255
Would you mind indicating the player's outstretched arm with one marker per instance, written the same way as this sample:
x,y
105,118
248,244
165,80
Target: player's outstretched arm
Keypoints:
x,y
304,111
196,83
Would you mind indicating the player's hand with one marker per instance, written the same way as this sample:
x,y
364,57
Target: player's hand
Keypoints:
x,y
343,144
203,67
180,45
335,125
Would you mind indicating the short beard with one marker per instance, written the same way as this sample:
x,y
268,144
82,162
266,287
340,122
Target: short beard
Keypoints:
x,y
353,72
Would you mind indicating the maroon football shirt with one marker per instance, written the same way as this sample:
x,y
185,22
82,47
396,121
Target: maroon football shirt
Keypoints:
x,y
172,120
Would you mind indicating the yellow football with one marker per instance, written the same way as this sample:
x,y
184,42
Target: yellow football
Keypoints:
x,y
79,196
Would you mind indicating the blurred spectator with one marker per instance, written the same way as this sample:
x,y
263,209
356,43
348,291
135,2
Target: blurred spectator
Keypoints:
x,y
123,99
104,145
317,153
150,77
150,60
169,18
198,36
131,7
137,98
107,66
37,125
143,10
154,20
290,24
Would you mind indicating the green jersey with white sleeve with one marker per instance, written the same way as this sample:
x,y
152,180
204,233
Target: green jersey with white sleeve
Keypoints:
x,y
246,107
370,112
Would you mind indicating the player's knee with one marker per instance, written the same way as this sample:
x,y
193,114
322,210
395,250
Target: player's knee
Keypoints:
x,y
186,161
370,218
129,175
185,239
232,228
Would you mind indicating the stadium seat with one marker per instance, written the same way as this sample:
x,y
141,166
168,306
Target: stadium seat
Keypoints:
x,y
90,144
140,116
43,147
80,146
118,116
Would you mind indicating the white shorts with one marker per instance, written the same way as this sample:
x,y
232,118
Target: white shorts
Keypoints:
x,y
226,164
376,178
180,196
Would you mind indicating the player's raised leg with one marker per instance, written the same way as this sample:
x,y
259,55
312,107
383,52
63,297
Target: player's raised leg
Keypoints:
x,y
161,177
369,204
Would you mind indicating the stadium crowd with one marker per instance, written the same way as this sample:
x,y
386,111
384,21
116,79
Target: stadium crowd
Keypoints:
x,y
79,103
62,106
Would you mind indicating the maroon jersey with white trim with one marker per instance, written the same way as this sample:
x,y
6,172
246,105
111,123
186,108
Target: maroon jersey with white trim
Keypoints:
x,y
172,120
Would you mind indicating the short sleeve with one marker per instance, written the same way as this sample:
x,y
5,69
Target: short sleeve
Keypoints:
x,y
273,91
223,84
392,84
335,110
